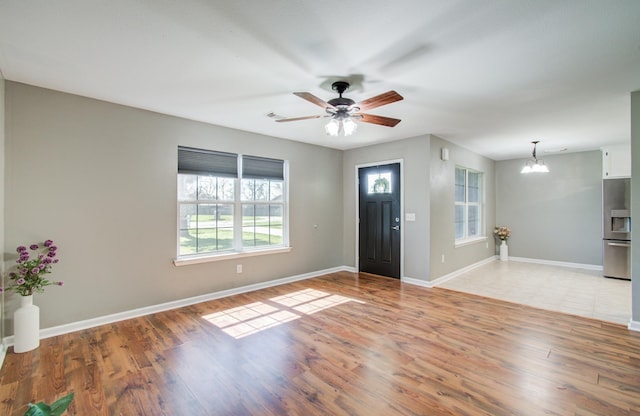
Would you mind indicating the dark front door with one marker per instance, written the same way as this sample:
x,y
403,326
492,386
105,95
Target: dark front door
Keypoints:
x,y
379,201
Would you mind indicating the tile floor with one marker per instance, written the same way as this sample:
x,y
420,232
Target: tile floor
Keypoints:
x,y
574,291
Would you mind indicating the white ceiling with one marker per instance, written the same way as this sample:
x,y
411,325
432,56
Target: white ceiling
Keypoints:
x,y
489,75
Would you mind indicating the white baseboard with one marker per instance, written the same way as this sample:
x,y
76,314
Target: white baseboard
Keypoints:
x,y
634,325
442,279
558,263
134,313
414,281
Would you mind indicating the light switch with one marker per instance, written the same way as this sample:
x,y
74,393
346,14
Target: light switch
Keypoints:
x,y
410,216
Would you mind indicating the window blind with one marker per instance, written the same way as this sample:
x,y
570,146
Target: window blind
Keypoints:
x,y
207,162
254,167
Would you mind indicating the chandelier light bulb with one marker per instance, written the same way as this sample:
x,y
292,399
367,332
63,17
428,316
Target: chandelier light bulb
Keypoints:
x,y
526,169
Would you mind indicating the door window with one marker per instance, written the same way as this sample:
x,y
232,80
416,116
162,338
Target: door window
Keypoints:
x,y
379,183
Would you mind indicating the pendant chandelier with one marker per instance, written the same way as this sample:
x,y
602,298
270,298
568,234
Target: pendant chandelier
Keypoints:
x,y
533,164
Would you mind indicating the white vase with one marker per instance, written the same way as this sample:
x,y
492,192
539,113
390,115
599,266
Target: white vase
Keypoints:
x,y
26,326
504,251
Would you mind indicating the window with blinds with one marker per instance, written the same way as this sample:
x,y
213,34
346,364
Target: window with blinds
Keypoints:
x,y
230,202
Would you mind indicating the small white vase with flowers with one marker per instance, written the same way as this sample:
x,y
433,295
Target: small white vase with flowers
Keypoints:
x,y
29,278
503,233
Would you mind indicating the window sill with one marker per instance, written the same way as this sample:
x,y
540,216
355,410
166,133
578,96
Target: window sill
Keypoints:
x,y
185,261
468,241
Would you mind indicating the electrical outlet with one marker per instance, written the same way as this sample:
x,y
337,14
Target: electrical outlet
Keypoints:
x,y
443,258
239,268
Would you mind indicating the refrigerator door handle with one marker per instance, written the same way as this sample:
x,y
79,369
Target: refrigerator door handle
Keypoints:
x,y
619,244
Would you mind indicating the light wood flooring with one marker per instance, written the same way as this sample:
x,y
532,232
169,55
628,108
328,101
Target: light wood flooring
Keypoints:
x,y
341,344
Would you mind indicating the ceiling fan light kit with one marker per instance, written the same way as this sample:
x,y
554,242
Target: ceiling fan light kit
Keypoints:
x,y
343,111
336,126
533,164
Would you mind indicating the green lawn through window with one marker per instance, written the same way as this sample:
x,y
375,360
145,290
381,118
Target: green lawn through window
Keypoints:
x,y
256,231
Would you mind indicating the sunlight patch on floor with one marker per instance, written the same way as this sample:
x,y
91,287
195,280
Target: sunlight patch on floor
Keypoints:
x,y
309,301
249,319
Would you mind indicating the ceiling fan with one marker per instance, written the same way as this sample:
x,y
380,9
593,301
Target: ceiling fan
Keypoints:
x,y
344,110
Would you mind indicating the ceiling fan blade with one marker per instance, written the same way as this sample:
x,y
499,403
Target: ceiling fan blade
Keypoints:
x,y
300,118
380,100
383,121
313,99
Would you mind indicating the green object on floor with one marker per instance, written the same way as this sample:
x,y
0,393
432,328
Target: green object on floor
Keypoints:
x,y
55,409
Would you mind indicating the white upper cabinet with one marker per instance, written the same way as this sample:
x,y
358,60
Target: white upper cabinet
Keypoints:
x,y
616,161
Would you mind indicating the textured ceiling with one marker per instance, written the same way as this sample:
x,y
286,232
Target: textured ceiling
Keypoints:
x,y
488,75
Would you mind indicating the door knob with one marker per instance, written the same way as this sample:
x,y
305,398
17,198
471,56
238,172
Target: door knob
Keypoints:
x,y
397,227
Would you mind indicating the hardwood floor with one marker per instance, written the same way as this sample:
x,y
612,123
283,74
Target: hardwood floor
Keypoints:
x,y
341,344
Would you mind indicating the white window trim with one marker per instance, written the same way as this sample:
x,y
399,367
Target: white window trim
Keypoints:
x,y
229,255
468,241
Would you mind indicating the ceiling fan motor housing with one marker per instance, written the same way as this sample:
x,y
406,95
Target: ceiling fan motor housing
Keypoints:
x,y
341,102
344,105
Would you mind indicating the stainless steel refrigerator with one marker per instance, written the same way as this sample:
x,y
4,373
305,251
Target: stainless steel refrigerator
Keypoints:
x,y
616,199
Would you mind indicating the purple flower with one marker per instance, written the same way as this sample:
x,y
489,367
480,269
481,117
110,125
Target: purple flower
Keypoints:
x,y
1,290
28,276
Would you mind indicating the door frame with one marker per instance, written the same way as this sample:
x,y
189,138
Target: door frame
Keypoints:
x,y
357,211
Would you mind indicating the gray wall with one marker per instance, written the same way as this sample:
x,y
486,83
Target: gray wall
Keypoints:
x,y
635,206
414,153
555,216
428,192
442,209
100,180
